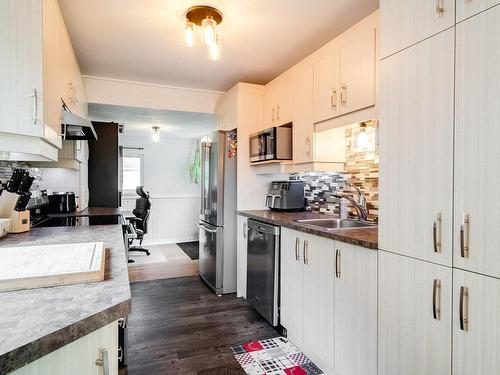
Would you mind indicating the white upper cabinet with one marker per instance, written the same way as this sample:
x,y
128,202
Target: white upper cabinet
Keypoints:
x,y
357,66
344,72
404,23
414,317
278,101
477,154
416,150
468,8
303,120
327,83
476,324
355,310
21,62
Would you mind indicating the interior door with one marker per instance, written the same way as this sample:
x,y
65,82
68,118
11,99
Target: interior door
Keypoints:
x,y
404,23
355,310
476,324
416,150
477,154
291,288
414,316
318,261
210,262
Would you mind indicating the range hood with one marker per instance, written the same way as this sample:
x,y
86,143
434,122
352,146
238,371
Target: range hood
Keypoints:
x,y
74,127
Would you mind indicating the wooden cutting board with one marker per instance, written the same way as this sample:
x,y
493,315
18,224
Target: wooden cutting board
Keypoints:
x,y
51,265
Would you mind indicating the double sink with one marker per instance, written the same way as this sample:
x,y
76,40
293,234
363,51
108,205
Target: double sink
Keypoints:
x,y
334,223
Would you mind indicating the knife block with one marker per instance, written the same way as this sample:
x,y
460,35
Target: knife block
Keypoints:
x,y
19,222
8,202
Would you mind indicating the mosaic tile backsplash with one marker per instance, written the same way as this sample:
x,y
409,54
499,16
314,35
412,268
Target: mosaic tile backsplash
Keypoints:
x,y
362,170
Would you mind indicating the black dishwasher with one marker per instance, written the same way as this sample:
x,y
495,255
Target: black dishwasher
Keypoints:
x,y
263,258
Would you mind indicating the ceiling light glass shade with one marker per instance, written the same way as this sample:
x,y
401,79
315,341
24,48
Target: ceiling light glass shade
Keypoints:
x,y
214,51
156,134
208,26
189,34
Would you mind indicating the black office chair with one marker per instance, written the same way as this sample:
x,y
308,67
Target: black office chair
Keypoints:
x,y
141,211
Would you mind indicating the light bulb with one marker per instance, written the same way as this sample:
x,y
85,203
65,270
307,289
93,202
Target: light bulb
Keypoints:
x,y
362,141
189,34
214,51
156,134
208,26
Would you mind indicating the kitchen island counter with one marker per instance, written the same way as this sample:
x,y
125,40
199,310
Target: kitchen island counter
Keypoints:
x,y
36,322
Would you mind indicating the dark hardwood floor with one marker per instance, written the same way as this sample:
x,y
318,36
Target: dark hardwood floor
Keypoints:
x,y
179,326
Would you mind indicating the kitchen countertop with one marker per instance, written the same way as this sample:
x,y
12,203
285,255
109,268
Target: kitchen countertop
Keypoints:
x,y
35,322
90,211
366,237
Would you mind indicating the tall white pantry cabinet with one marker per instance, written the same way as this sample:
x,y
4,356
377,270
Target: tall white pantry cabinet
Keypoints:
x,y
439,264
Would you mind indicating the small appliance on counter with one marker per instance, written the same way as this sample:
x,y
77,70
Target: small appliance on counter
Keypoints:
x,y
287,195
271,144
62,202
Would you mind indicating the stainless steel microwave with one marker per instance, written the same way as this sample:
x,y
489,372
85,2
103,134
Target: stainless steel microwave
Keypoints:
x,y
271,144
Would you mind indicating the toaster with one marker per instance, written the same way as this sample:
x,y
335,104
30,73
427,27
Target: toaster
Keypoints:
x,y
286,196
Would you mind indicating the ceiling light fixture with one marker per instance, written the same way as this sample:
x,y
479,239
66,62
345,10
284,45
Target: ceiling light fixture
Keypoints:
x,y
362,141
208,18
156,133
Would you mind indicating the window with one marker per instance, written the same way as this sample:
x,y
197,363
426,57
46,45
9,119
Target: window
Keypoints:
x,y
133,172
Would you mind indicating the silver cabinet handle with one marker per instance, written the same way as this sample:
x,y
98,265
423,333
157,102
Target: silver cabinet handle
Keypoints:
x,y
343,94
437,233
273,115
337,264
120,354
464,237
333,99
297,252
34,95
439,9
245,229
278,113
308,147
306,251
436,299
464,308
104,362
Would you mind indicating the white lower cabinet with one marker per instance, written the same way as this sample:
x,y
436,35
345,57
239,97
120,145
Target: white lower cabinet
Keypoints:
x,y
307,268
476,324
329,302
241,256
355,310
79,357
414,316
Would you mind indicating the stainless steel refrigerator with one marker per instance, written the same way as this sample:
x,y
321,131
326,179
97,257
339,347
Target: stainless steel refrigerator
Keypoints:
x,y
217,235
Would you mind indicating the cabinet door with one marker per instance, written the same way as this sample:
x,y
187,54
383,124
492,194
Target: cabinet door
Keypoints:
x,y
404,23
241,257
269,105
303,120
477,155
291,300
416,150
283,92
476,317
468,8
327,83
355,310
21,62
357,67
413,339
318,262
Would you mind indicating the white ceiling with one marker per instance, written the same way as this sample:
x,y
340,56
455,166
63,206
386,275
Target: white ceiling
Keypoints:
x,y
142,40
139,121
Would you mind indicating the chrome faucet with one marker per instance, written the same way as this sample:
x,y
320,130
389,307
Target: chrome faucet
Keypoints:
x,y
359,204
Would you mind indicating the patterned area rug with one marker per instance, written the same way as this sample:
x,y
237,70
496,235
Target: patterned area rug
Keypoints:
x,y
273,357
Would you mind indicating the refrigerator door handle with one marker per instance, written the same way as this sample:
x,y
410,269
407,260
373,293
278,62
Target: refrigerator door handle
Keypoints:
x,y
207,229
